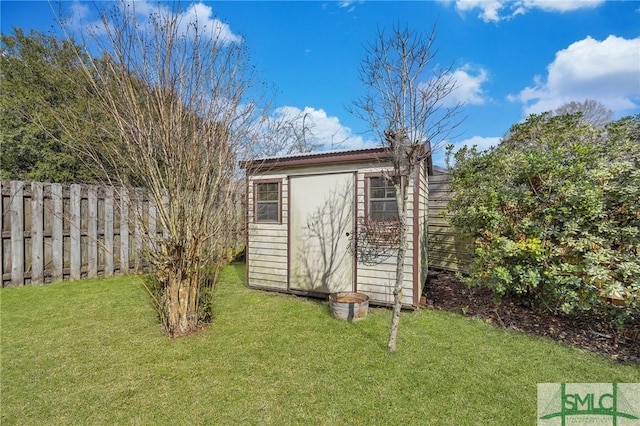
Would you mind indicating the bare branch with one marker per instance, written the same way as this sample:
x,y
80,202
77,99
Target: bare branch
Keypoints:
x,y
591,111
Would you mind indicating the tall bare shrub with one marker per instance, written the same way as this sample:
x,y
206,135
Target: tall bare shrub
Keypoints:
x,y
182,97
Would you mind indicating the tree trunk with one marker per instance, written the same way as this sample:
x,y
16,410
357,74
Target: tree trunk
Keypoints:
x,y
397,291
401,191
181,317
181,289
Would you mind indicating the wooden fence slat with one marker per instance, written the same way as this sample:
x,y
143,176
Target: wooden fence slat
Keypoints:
x,y
447,250
152,226
165,204
37,233
137,229
92,230
124,231
75,263
57,232
108,232
17,233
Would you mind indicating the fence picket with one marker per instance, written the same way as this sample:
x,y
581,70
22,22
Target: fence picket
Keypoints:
x,y
75,263
37,233
108,232
137,230
124,231
447,249
92,231
152,226
57,233
17,233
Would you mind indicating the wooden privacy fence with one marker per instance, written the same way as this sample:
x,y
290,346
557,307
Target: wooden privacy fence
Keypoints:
x,y
52,232
447,249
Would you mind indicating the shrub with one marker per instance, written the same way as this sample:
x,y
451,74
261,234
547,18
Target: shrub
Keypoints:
x,y
554,214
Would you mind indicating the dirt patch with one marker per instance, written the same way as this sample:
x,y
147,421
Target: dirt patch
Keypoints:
x,y
444,291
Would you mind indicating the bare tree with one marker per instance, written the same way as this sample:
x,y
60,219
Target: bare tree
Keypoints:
x,y
592,111
286,134
404,107
181,97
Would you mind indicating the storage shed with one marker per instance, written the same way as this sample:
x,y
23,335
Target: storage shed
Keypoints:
x,y
316,224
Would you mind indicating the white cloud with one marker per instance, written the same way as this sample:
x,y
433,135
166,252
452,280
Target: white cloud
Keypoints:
x,y
79,21
489,10
348,4
497,10
325,129
468,90
469,81
560,5
607,71
79,11
201,15
197,15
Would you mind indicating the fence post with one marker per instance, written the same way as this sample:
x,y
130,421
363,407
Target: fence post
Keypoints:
x,y
57,232
153,212
165,207
137,229
37,233
75,261
92,230
17,233
108,232
124,231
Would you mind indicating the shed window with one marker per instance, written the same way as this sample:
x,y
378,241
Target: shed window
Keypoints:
x,y
267,202
382,200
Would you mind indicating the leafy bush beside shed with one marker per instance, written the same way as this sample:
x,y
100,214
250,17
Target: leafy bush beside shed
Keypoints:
x,y
554,214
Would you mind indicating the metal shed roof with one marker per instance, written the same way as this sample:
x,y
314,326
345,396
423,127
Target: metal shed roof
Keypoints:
x,y
376,153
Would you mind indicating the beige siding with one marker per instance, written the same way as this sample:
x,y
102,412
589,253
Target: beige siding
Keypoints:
x,y
447,250
378,280
267,253
423,262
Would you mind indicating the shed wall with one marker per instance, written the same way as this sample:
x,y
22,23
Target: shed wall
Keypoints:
x,y
423,221
378,280
267,242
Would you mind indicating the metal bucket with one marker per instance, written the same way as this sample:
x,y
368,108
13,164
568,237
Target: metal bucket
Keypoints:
x,y
349,306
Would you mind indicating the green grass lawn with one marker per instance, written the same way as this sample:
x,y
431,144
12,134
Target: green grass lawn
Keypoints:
x,y
90,352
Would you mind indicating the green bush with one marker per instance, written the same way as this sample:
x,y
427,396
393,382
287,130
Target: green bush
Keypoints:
x,y
554,213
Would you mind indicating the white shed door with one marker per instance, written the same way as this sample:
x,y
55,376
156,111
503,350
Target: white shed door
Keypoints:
x,y
321,214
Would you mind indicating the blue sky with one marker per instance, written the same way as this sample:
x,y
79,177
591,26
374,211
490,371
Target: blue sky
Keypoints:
x,y
511,58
